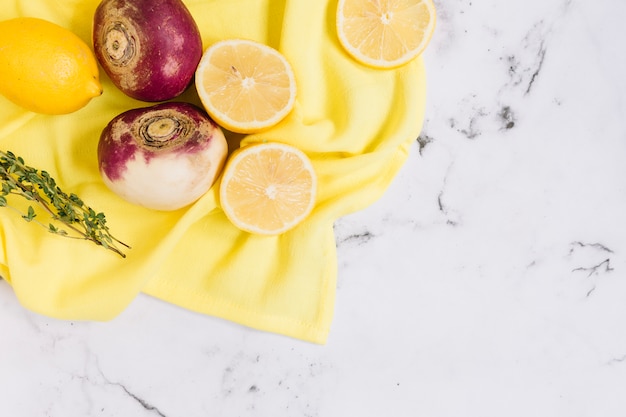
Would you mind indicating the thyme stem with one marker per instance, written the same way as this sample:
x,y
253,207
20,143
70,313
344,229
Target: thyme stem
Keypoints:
x,y
66,210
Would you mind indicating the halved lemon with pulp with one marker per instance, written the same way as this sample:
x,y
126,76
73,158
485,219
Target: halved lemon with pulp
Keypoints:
x,y
268,188
245,86
385,33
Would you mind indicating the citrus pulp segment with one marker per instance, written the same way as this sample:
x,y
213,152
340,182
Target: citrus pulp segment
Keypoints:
x,y
268,188
385,33
245,86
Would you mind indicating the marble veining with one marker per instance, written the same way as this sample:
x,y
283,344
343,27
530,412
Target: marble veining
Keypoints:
x,y
489,280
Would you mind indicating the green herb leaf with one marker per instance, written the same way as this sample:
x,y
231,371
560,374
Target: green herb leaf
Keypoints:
x,y
77,220
30,215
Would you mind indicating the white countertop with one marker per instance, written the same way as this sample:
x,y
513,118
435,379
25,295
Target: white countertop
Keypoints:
x,y
490,280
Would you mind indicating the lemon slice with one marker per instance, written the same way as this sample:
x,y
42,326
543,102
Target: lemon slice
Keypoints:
x,y
245,86
385,33
268,188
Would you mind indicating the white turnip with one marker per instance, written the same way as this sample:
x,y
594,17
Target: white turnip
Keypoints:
x,y
162,157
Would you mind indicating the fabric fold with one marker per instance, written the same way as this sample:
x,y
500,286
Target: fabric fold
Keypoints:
x,y
355,123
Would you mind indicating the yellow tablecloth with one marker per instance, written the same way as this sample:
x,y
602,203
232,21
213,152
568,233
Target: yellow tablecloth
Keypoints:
x,y
355,123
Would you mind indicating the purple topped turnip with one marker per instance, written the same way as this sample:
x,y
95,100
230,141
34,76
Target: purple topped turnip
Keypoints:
x,y
162,157
149,48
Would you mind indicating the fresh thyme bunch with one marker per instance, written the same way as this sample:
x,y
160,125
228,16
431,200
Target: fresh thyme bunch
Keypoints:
x,y
70,216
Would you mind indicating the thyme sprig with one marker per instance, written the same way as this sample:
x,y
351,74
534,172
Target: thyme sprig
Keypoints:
x,y
70,216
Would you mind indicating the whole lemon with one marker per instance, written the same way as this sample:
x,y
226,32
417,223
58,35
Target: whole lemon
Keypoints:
x,y
46,68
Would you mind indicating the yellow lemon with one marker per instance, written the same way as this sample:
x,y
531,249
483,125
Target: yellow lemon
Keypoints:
x,y
244,85
268,188
385,33
46,68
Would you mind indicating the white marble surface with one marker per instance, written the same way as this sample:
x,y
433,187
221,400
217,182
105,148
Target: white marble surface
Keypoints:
x,y
490,280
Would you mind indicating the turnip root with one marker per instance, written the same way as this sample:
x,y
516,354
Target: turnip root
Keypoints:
x,y
162,157
149,48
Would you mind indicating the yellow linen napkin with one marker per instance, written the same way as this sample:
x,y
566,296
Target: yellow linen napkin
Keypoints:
x,y
355,123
